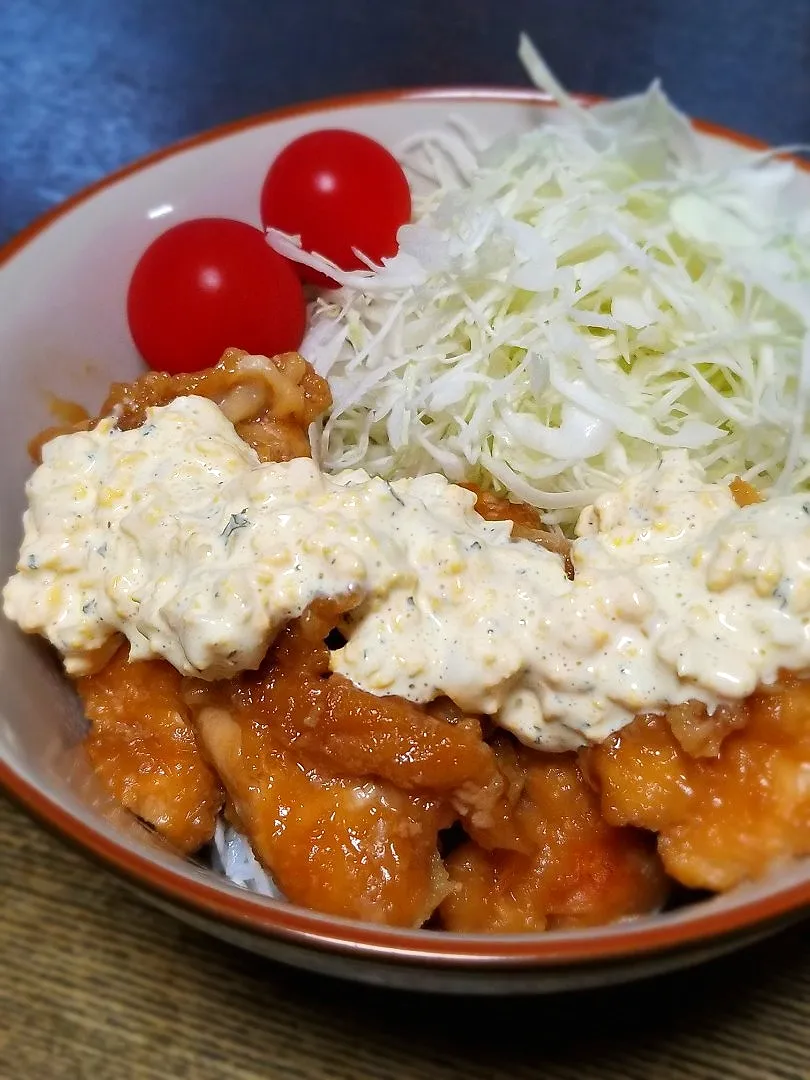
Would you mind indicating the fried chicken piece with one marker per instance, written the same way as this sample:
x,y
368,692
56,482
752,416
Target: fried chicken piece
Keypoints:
x,y
140,742
271,402
726,809
329,722
333,784
363,850
144,749
572,869
528,522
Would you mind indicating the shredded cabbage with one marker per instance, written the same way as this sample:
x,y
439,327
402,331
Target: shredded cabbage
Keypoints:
x,y
570,302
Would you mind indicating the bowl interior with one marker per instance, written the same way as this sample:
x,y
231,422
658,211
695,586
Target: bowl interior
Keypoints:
x,y
63,332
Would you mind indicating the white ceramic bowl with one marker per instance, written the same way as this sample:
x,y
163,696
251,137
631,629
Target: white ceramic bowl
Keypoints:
x,y
63,331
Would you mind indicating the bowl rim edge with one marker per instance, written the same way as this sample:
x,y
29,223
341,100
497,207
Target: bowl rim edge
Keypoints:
x,y
298,925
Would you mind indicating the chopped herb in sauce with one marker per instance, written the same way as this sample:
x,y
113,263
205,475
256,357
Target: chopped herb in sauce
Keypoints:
x,y
236,522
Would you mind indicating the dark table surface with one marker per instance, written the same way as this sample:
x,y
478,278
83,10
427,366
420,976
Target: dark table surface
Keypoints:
x,y
96,985
92,983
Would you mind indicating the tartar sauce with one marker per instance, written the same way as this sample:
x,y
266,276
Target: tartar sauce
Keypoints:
x,y
175,536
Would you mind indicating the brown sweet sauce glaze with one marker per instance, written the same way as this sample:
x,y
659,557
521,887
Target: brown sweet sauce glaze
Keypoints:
x,y
271,406
724,812
145,751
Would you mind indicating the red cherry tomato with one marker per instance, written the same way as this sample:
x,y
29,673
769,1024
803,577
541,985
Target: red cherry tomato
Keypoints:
x,y
337,190
209,284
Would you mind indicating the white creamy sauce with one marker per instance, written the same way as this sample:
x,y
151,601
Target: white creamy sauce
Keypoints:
x,y
176,537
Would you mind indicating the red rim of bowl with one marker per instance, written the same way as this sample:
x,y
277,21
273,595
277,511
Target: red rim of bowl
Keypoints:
x,y
278,920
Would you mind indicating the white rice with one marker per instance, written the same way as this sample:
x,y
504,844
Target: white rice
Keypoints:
x,y
233,856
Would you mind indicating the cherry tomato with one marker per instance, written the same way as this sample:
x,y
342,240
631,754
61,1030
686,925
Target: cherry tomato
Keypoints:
x,y
208,284
337,190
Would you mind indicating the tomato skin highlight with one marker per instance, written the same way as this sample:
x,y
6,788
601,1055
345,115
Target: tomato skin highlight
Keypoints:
x,y
209,284
337,190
